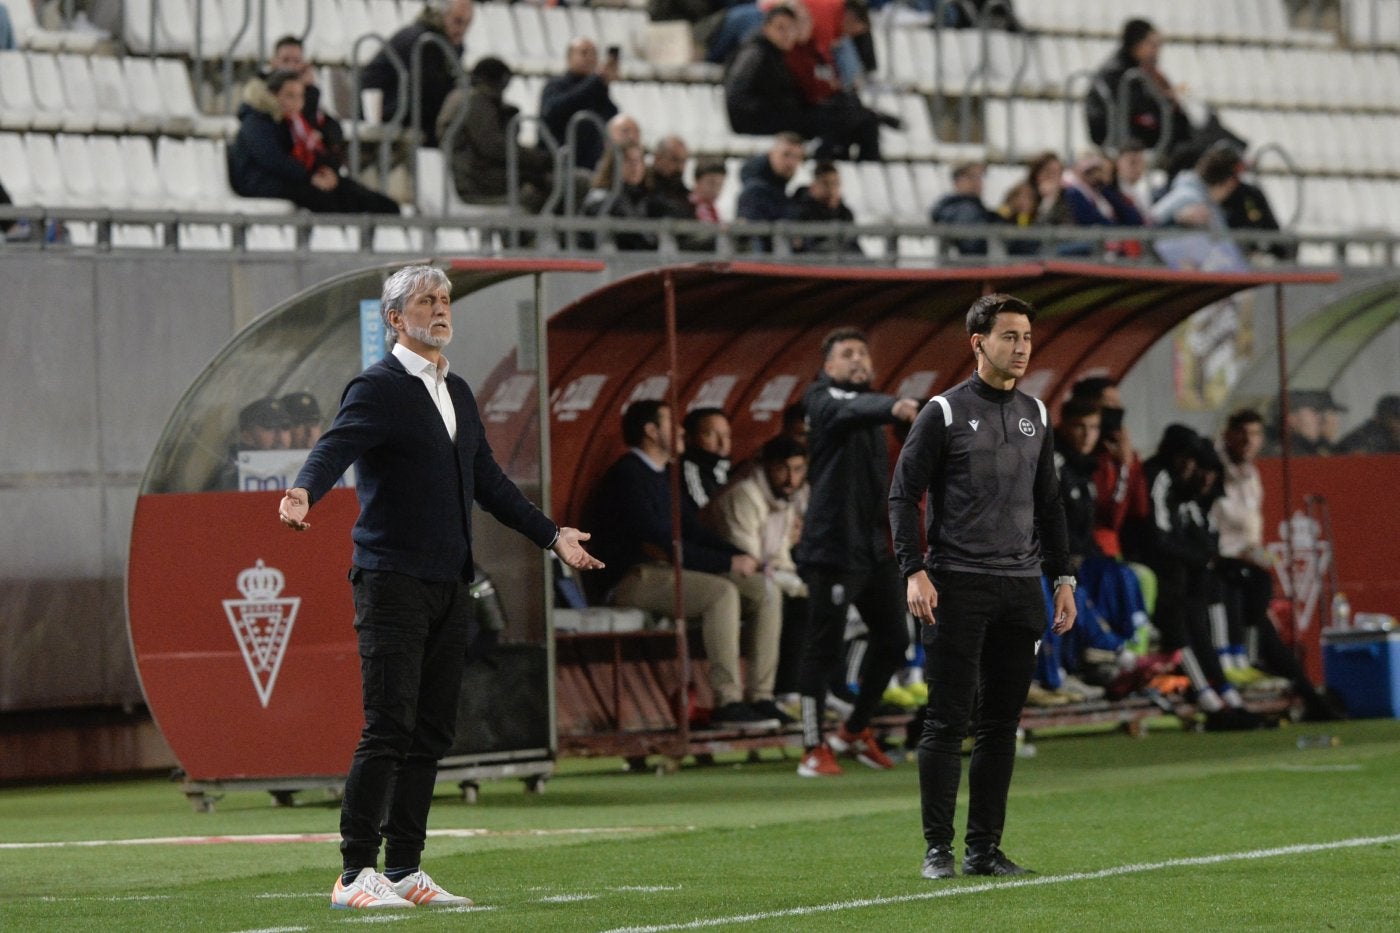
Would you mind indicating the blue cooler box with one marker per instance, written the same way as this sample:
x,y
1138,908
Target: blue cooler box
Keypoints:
x,y
1362,666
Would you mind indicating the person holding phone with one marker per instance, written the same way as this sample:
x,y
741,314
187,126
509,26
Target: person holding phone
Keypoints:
x,y
582,88
984,453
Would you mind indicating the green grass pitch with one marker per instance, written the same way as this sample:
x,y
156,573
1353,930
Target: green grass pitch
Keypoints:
x,y
1175,832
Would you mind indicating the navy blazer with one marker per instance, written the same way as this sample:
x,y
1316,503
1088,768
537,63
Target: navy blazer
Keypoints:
x,y
415,485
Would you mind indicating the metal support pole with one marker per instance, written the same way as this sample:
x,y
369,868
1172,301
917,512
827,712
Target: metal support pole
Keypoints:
x,y
1286,449
668,287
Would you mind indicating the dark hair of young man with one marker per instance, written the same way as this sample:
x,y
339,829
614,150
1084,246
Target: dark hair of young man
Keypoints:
x,y
696,417
780,10
1077,408
983,313
636,418
840,334
1219,164
1242,417
1091,387
824,167
781,448
284,42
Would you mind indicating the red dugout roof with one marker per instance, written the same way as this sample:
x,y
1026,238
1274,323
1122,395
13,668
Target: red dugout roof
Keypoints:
x,y
748,336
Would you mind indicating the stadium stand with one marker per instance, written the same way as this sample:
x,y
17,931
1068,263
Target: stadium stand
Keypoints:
x,y
1314,102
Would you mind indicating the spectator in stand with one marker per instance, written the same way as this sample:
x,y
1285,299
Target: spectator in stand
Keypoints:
x,y
765,179
1018,209
1332,412
1195,195
480,147
1380,434
304,416
582,88
1046,174
763,96
825,61
821,202
1248,208
632,511
288,54
631,200
1305,411
963,205
624,130
709,182
1095,201
666,182
1130,176
446,20
760,513
705,464
1139,49
277,154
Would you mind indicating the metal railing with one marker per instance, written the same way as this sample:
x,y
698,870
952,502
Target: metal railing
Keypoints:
x,y
550,233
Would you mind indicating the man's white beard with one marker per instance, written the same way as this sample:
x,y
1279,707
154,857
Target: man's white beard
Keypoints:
x,y
425,335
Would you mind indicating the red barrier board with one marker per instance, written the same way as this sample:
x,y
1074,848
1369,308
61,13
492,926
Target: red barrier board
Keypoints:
x,y
243,633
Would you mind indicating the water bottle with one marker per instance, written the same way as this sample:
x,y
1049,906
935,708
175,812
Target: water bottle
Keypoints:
x,y
1341,610
1318,741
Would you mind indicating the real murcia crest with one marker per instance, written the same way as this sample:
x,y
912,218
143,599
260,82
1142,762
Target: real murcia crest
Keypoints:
x,y
974,422
262,624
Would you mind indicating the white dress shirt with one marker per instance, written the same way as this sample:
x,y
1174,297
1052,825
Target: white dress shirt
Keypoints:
x,y
434,379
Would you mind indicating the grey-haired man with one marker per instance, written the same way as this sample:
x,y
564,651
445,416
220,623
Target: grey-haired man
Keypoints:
x,y
416,437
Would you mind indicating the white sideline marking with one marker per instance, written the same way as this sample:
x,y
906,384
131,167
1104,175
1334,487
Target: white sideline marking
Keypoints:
x,y
567,898
277,930
1018,883
647,888
1309,769
266,838
121,897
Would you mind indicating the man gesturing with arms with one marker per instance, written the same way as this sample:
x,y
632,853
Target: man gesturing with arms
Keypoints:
x,y
414,433
984,453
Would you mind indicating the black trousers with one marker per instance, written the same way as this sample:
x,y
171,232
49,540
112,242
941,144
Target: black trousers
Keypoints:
x,y
1248,590
981,651
878,595
413,637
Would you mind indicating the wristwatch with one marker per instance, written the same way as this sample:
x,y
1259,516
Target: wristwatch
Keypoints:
x,y
1068,581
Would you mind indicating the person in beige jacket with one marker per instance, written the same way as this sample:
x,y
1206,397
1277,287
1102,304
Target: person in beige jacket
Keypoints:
x,y
760,512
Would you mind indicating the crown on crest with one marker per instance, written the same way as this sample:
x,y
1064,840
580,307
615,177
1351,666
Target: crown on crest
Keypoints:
x,y
261,582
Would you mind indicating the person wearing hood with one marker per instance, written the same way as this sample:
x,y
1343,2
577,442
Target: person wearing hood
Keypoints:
x,y
278,154
474,125
844,553
288,54
448,20
963,205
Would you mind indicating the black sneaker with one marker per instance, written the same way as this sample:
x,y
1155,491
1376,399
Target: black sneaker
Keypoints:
x,y
991,862
938,863
741,716
771,710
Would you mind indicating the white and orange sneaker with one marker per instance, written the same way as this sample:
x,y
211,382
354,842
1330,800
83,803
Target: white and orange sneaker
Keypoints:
x,y
862,746
418,888
819,762
370,890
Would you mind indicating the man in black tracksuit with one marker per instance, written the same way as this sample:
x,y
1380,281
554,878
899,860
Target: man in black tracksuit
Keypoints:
x,y
844,553
984,453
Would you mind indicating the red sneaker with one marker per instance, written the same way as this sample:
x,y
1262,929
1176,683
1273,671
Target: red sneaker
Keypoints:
x,y
862,746
819,762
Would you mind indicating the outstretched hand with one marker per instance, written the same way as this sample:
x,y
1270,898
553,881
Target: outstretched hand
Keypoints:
x,y
293,508
571,552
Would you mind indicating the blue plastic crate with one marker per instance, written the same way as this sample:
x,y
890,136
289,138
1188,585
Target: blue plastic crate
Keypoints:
x,y
1363,668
